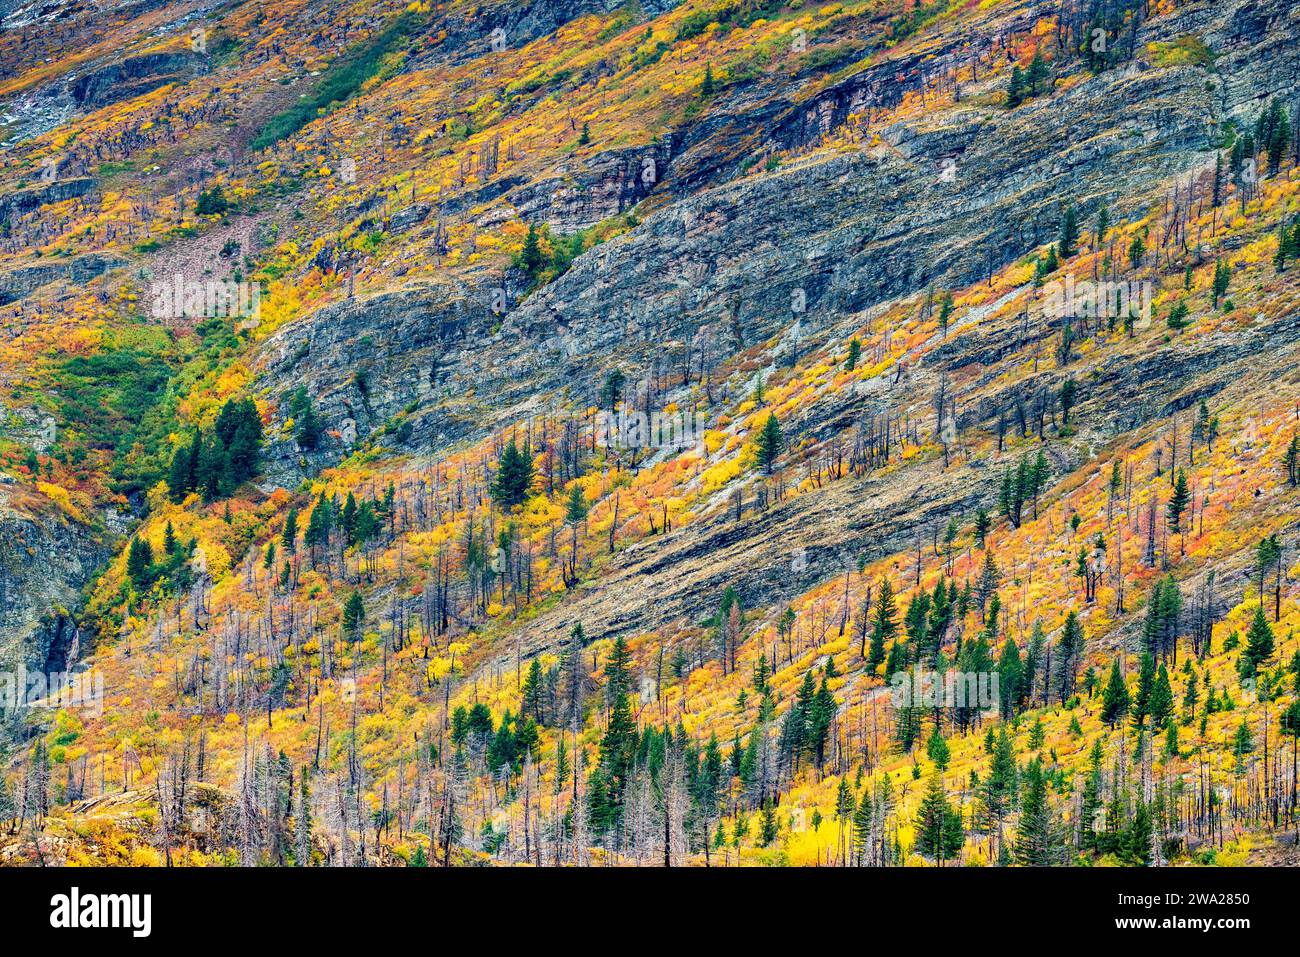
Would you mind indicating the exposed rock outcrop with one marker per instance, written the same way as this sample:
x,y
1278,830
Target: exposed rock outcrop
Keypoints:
x,y
44,563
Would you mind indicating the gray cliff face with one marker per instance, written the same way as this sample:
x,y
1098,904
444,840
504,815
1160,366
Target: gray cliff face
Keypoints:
x,y
110,80
44,564
32,197
19,283
583,193
366,360
131,77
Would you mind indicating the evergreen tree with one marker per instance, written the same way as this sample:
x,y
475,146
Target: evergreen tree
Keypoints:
x,y
1259,643
1161,704
1068,394
1242,744
307,426
1017,88
1038,74
1103,226
1190,699
1011,679
1146,684
575,509
1069,233
1160,629
1137,250
855,353
768,828
219,459
1268,557
618,746
1091,799
303,823
139,564
354,613
321,524
998,790
211,474
1135,843
212,202
795,734
1115,698
1288,725
939,831
945,312
708,787
1035,660
1037,734
289,534
708,86
182,475
884,626
1177,319
1222,276
820,717
907,716
936,748
1291,461
532,259
1171,741
514,477
611,390
1071,648
1277,135
1178,502
1035,841
862,818
769,443
239,431
990,578
761,673
532,693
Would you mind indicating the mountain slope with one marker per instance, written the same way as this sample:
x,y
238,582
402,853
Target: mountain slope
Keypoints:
x,y
478,225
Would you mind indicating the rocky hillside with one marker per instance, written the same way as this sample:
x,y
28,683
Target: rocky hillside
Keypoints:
x,y
327,329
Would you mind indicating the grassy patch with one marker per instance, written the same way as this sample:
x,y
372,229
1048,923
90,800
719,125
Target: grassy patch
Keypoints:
x,y
1187,50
